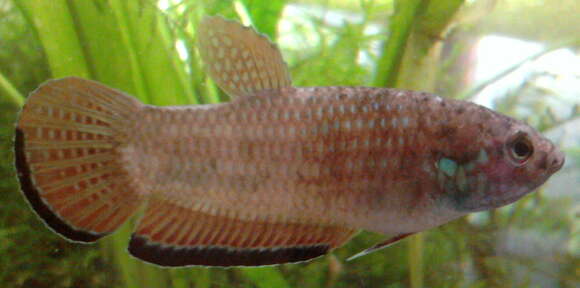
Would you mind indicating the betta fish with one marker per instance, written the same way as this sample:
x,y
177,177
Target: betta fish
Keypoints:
x,y
279,174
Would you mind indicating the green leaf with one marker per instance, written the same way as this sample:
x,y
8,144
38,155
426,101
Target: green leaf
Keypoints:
x,y
56,29
265,17
401,22
151,54
266,277
11,94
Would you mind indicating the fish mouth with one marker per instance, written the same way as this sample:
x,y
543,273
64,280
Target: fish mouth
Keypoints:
x,y
558,160
493,200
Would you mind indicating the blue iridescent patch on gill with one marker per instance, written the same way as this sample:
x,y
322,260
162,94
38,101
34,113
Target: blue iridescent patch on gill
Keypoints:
x,y
448,166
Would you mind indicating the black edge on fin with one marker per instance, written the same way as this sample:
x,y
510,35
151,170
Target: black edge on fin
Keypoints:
x,y
33,197
170,256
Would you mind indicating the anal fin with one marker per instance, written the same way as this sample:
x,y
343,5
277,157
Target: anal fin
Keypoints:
x,y
170,235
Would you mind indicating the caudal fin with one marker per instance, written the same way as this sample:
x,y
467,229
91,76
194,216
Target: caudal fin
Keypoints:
x,y
67,155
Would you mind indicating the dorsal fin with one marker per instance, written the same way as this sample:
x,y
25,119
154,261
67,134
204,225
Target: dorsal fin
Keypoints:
x,y
240,60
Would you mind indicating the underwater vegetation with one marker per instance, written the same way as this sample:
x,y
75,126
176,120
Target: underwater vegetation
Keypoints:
x,y
147,48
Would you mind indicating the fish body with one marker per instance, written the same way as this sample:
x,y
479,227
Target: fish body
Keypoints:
x,y
279,174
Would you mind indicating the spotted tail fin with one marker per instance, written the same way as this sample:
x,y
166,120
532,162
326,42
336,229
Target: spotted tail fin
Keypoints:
x,y
67,156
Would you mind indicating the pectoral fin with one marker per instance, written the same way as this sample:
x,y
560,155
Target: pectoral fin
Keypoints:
x,y
379,246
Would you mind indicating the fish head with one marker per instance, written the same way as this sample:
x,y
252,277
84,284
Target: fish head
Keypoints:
x,y
510,160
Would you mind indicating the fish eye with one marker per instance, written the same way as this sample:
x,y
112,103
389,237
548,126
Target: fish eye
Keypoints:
x,y
520,149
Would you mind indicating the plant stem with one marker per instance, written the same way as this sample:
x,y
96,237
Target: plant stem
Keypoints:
x,y
57,32
178,279
128,269
266,277
10,91
202,278
118,8
416,260
392,53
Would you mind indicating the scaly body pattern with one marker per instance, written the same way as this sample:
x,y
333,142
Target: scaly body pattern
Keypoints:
x,y
279,174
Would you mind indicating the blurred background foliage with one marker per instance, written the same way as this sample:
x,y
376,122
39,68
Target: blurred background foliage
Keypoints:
x,y
147,48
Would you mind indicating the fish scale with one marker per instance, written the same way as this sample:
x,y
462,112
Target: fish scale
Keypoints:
x,y
279,174
245,159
